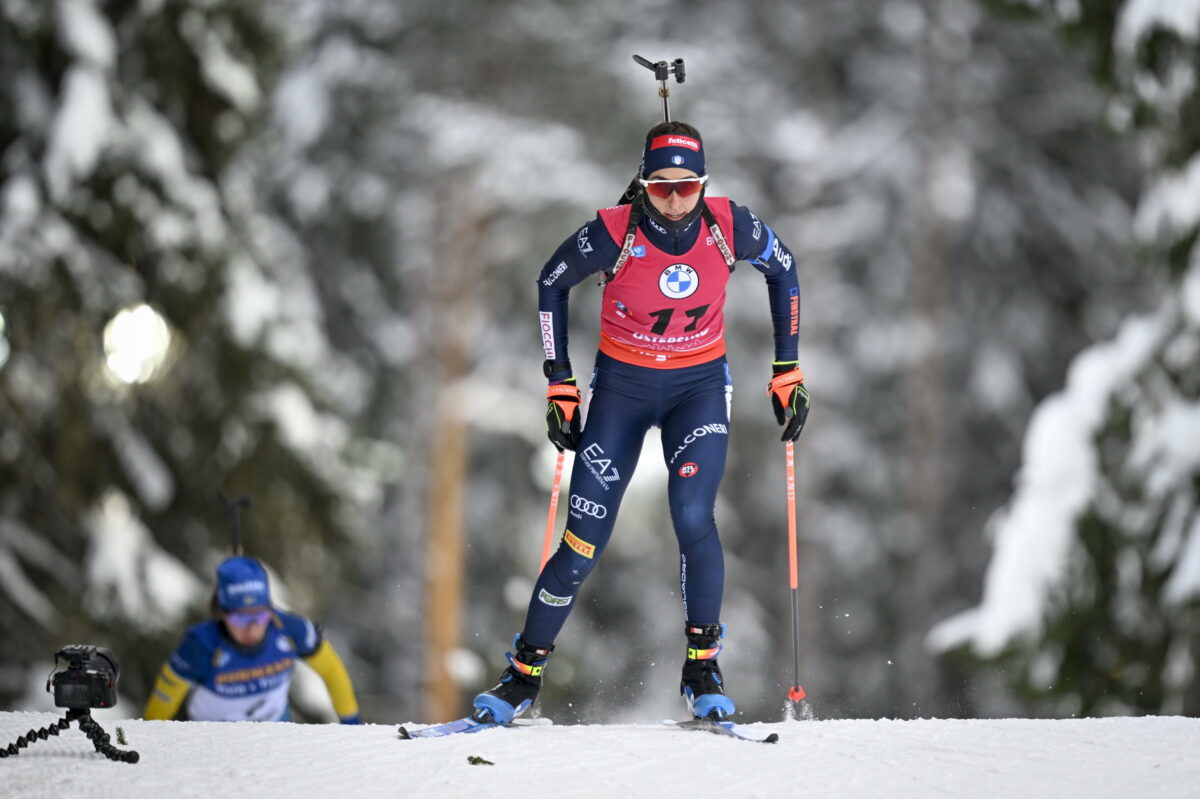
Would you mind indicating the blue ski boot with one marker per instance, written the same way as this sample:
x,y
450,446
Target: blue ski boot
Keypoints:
x,y
702,685
518,686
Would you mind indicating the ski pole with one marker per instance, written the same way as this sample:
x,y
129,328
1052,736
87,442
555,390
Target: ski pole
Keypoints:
x,y
558,473
795,692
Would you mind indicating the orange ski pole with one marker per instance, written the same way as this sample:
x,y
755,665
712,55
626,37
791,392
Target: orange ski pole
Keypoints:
x,y
795,693
558,473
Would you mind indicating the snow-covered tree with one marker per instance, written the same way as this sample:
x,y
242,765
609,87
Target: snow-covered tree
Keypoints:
x,y
163,344
1094,586
336,212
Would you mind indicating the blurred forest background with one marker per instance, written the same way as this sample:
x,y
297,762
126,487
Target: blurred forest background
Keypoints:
x,y
288,250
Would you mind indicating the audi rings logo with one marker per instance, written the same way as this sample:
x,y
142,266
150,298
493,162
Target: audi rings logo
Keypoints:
x,y
593,509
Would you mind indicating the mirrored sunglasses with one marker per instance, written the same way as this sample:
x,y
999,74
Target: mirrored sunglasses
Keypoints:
x,y
684,187
243,620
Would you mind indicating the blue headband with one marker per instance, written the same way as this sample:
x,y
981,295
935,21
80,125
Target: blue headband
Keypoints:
x,y
673,150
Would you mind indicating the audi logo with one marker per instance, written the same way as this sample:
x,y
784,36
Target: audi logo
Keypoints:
x,y
593,509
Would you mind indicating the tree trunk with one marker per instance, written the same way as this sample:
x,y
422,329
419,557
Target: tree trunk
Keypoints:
x,y
444,579
456,316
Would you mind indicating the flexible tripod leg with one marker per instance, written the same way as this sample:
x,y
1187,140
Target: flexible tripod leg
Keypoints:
x,y
100,739
87,726
33,736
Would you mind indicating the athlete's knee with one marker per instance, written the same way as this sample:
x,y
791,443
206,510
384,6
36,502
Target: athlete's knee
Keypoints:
x,y
573,561
693,521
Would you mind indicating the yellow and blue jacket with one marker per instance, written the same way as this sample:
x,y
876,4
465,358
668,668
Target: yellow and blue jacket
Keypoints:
x,y
209,677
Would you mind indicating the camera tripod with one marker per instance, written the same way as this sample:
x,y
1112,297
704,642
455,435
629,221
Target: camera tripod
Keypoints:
x,y
87,725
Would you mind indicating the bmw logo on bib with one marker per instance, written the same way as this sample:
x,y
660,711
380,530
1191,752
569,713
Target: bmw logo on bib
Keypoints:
x,y
678,281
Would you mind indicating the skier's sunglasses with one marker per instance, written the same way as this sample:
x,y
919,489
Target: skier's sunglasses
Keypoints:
x,y
684,187
244,620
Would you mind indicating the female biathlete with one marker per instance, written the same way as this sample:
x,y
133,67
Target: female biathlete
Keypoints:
x,y
666,256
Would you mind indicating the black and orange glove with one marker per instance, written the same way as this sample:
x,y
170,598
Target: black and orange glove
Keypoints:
x,y
789,398
562,414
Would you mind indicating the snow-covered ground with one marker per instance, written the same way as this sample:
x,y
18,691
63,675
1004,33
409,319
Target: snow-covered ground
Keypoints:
x,y
1143,758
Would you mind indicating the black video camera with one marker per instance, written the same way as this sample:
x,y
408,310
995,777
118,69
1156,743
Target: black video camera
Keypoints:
x,y
90,679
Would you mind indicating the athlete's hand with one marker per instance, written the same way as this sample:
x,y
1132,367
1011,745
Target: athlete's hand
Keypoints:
x,y
562,414
789,398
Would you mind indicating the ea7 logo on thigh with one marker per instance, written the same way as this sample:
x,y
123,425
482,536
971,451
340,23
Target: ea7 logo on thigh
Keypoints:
x,y
601,467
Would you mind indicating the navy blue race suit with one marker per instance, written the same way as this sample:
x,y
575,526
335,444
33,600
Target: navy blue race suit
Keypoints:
x,y
643,379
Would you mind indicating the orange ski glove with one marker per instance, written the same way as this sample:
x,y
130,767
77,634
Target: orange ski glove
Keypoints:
x,y
789,398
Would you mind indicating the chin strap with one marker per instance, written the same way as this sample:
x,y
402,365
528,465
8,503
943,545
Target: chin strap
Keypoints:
x,y
635,219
